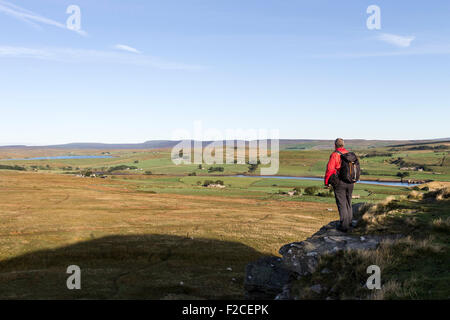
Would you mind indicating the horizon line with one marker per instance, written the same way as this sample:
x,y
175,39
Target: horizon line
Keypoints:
x,y
3,145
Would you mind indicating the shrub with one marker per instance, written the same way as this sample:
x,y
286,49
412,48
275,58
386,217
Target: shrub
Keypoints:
x,y
87,173
15,167
121,167
327,194
214,169
148,172
207,183
252,167
311,190
192,174
376,154
148,191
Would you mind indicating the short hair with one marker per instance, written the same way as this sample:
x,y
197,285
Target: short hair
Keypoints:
x,y
339,143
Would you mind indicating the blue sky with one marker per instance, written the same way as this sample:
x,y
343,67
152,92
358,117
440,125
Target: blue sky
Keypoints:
x,y
139,70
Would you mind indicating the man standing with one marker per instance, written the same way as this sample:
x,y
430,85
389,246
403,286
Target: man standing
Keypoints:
x,y
342,189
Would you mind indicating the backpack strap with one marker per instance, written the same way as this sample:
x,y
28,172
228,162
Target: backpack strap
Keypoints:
x,y
339,152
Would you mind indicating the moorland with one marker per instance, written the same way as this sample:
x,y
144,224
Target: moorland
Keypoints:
x,y
140,226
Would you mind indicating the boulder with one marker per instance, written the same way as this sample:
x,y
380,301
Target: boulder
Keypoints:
x,y
270,277
303,257
266,278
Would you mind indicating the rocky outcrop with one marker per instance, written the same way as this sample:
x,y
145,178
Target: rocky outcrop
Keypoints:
x,y
303,257
270,277
266,278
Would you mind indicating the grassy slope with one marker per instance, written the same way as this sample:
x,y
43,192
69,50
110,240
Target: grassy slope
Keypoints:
x,y
414,267
132,244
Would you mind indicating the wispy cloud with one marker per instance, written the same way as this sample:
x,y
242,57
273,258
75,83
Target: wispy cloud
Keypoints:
x,y
396,40
126,48
426,50
30,17
92,56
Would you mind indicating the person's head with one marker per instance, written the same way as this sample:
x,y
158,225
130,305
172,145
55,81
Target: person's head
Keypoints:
x,y
339,143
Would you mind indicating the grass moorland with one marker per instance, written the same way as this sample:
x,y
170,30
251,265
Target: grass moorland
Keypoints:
x,y
136,244
414,267
153,231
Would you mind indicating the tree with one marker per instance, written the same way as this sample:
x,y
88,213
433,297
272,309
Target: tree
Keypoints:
x,y
402,175
252,167
88,173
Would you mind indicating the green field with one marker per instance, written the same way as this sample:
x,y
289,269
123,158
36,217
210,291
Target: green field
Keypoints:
x,y
376,163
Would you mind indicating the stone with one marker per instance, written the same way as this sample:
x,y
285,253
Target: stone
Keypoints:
x,y
266,278
317,288
285,293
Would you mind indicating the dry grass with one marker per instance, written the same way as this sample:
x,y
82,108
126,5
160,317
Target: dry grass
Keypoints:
x,y
415,266
156,240
348,276
441,224
415,195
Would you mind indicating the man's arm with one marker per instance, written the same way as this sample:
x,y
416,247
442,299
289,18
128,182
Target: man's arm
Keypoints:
x,y
331,167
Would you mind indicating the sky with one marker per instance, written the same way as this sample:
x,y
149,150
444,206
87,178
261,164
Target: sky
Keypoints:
x,y
140,70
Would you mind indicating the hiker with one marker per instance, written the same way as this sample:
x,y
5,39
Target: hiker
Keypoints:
x,y
342,172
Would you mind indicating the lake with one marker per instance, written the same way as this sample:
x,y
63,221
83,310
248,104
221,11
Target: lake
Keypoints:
x,y
384,183
59,158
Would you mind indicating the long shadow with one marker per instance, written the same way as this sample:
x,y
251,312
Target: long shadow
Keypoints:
x,y
131,267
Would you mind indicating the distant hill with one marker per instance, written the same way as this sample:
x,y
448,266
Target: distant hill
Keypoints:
x,y
153,144
285,144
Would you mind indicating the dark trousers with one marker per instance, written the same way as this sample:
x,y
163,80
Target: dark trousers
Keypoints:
x,y
343,194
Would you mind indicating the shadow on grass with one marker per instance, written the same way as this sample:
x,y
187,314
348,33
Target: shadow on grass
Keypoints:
x,y
131,267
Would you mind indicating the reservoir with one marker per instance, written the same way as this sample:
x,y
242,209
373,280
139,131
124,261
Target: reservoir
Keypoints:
x,y
59,158
383,183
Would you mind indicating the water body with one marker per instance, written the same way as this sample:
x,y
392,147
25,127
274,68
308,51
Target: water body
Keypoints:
x,y
59,158
383,183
